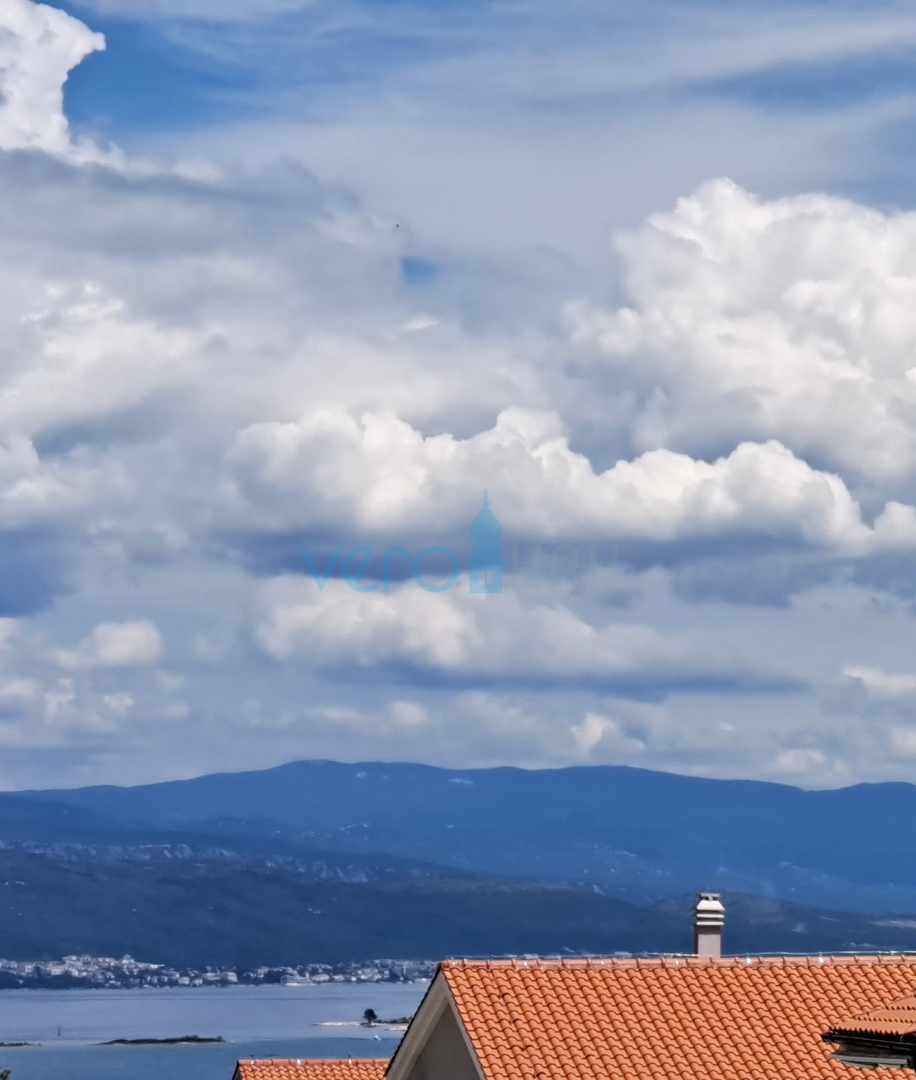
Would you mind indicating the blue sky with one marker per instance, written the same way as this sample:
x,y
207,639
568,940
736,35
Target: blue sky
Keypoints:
x,y
279,273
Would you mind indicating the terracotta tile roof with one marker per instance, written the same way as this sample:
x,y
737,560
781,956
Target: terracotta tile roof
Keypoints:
x,y
311,1069
897,1018
694,1019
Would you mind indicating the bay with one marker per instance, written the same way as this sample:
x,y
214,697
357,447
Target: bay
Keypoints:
x,y
263,1021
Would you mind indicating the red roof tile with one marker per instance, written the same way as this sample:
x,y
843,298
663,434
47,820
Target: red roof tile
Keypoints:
x,y
311,1069
697,1019
897,1018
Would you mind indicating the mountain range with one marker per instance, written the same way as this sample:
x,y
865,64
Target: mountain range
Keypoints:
x,y
323,861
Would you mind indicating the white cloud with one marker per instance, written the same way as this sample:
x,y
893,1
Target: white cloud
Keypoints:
x,y
113,645
456,633
792,319
799,762
597,730
19,692
39,45
486,728
408,714
87,356
59,714
379,474
880,684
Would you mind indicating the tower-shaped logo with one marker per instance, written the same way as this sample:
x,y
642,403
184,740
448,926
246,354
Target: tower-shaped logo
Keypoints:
x,y
486,566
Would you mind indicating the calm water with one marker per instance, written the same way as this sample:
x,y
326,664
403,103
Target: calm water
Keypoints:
x,y
263,1021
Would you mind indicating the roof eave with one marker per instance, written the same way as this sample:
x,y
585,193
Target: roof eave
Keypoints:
x,y
437,999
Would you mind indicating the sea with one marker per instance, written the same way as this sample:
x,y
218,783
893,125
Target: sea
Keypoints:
x,y
66,1027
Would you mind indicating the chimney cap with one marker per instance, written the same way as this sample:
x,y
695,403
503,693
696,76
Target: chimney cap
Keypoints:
x,y
709,910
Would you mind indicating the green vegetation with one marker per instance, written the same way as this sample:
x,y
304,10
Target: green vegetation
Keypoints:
x,y
371,1018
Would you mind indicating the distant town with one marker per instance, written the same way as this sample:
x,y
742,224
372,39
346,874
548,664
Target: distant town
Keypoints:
x,y
108,973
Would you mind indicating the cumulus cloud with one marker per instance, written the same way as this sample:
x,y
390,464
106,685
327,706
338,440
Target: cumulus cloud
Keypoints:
x,y
87,708
378,473
114,645
59,715
597,730
791,319
88,356
475,638
39,45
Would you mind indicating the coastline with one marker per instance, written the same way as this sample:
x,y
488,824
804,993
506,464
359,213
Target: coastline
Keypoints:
x,y
110,973
56,1018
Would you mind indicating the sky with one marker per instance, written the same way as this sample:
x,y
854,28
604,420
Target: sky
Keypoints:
x,y
282,280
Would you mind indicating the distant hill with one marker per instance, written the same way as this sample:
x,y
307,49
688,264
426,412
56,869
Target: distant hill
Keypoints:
x,y
182,908
640,834
324,862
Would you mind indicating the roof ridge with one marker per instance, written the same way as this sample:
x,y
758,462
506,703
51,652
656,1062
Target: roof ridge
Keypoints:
x,y
679,960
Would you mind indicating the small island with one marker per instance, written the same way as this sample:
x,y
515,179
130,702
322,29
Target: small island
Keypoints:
x,y
180,1040
372,1019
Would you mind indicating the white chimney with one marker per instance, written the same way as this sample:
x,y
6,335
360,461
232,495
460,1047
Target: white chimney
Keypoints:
x,y
708,917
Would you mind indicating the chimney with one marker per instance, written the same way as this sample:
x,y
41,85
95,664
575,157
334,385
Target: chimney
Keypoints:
x,y
708,917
